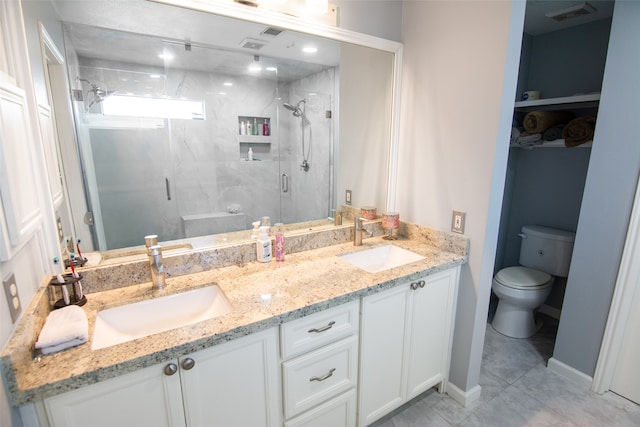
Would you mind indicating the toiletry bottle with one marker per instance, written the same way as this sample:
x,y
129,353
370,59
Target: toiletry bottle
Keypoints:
x,y
248,128
263,245
255,232
254,128
265,128
250,155
279,242
243,128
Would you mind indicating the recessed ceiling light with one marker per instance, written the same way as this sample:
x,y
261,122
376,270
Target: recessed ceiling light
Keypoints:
x,y
272,69
254,68
165,56
309,49
222,93
227,84
154,76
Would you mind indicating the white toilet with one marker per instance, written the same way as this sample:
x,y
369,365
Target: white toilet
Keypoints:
x,y
544,252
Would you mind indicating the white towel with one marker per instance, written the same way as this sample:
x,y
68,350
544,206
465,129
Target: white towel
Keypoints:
x,y
64,328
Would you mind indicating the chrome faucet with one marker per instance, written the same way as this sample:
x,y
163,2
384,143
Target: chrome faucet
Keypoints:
x,y
359,228
156,266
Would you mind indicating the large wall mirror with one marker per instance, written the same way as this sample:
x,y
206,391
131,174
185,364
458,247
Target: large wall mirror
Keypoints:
x,y
192,124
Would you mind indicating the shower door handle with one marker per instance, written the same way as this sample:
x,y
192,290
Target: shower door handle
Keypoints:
x,y
285,183
166,183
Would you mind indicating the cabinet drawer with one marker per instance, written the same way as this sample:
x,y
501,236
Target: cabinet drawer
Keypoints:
x,y
337,412
312,378
318,329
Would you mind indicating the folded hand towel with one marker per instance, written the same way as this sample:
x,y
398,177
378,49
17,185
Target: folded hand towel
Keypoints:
x,y
578,131
553,133
526,139
539,121
515,133
64,328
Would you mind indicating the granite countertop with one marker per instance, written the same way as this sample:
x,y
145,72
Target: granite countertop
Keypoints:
x,y
262,295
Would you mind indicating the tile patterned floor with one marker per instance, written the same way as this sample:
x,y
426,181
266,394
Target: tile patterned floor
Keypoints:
x,y
518,390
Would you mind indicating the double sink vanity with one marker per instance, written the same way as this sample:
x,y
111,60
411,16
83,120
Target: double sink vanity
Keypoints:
x,y
334,335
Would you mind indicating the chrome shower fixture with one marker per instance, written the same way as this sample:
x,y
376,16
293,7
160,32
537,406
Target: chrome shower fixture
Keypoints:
x,y
298,110
99,95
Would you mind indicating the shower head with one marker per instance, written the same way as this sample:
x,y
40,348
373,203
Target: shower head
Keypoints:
x,y
99,95
297,110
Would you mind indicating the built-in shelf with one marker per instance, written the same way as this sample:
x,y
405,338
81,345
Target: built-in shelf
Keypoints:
x,y
558,143
254,139
563,103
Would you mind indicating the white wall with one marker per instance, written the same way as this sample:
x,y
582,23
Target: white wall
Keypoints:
x,y
460,68
607,200
380,18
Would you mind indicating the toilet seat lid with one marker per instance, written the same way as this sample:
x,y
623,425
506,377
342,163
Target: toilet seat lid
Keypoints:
x,y
523,278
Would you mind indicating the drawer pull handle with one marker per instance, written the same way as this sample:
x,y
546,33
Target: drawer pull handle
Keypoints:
x,y
324,377
324,328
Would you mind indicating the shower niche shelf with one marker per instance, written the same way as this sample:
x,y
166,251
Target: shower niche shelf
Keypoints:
x,y
246,133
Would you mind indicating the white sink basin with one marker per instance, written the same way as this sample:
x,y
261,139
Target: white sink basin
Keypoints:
x,y
381,258
129,322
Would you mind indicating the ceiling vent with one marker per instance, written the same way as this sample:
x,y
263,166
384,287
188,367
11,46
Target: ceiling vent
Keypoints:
x,y
580,9
271,31
253,44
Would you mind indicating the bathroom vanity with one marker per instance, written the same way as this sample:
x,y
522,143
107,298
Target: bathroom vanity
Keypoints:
x,y
288,353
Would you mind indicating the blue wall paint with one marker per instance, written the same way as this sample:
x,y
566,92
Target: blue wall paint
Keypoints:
x,y
566,62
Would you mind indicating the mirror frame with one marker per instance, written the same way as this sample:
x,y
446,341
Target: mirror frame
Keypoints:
x,y
249,13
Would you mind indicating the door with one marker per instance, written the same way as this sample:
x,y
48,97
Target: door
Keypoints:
x,y
148,397
235,384
382,347
626,377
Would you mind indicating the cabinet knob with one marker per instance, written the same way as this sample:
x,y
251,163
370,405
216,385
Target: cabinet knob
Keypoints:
x,y
414,286
188,363
421,283
170,369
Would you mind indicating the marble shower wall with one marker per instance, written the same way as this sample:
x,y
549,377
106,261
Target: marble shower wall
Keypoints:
x,y
310,195
206,168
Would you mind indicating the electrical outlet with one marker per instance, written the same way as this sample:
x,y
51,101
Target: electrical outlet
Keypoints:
x,y
60,231
347,197
457,222
13,299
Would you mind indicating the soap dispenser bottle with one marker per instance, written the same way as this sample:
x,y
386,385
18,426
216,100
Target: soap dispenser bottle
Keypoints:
x,y
254,128
263,245
250,155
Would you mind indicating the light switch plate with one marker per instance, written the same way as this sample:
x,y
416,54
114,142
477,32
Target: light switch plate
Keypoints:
x,y
13,299
457,222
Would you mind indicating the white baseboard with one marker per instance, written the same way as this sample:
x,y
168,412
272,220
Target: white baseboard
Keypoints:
x,y
567,371
465,398
550,311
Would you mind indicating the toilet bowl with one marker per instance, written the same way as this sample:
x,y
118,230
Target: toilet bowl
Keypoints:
x,y
545,253
521,290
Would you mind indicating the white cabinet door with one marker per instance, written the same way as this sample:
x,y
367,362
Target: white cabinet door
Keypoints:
x,y
430,332
147,397
235,384
405,343
382,344
20,214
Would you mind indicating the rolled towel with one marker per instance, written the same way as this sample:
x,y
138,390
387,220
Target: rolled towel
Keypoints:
x,y
64,328
578,131
553,133
539,121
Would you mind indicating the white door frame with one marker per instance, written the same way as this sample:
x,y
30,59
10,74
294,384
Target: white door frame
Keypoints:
x,y
626,286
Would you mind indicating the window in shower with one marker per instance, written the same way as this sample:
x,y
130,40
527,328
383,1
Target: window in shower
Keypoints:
x,y
162,108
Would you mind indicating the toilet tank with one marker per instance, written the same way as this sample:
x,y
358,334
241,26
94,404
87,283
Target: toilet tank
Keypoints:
x,y
546,249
